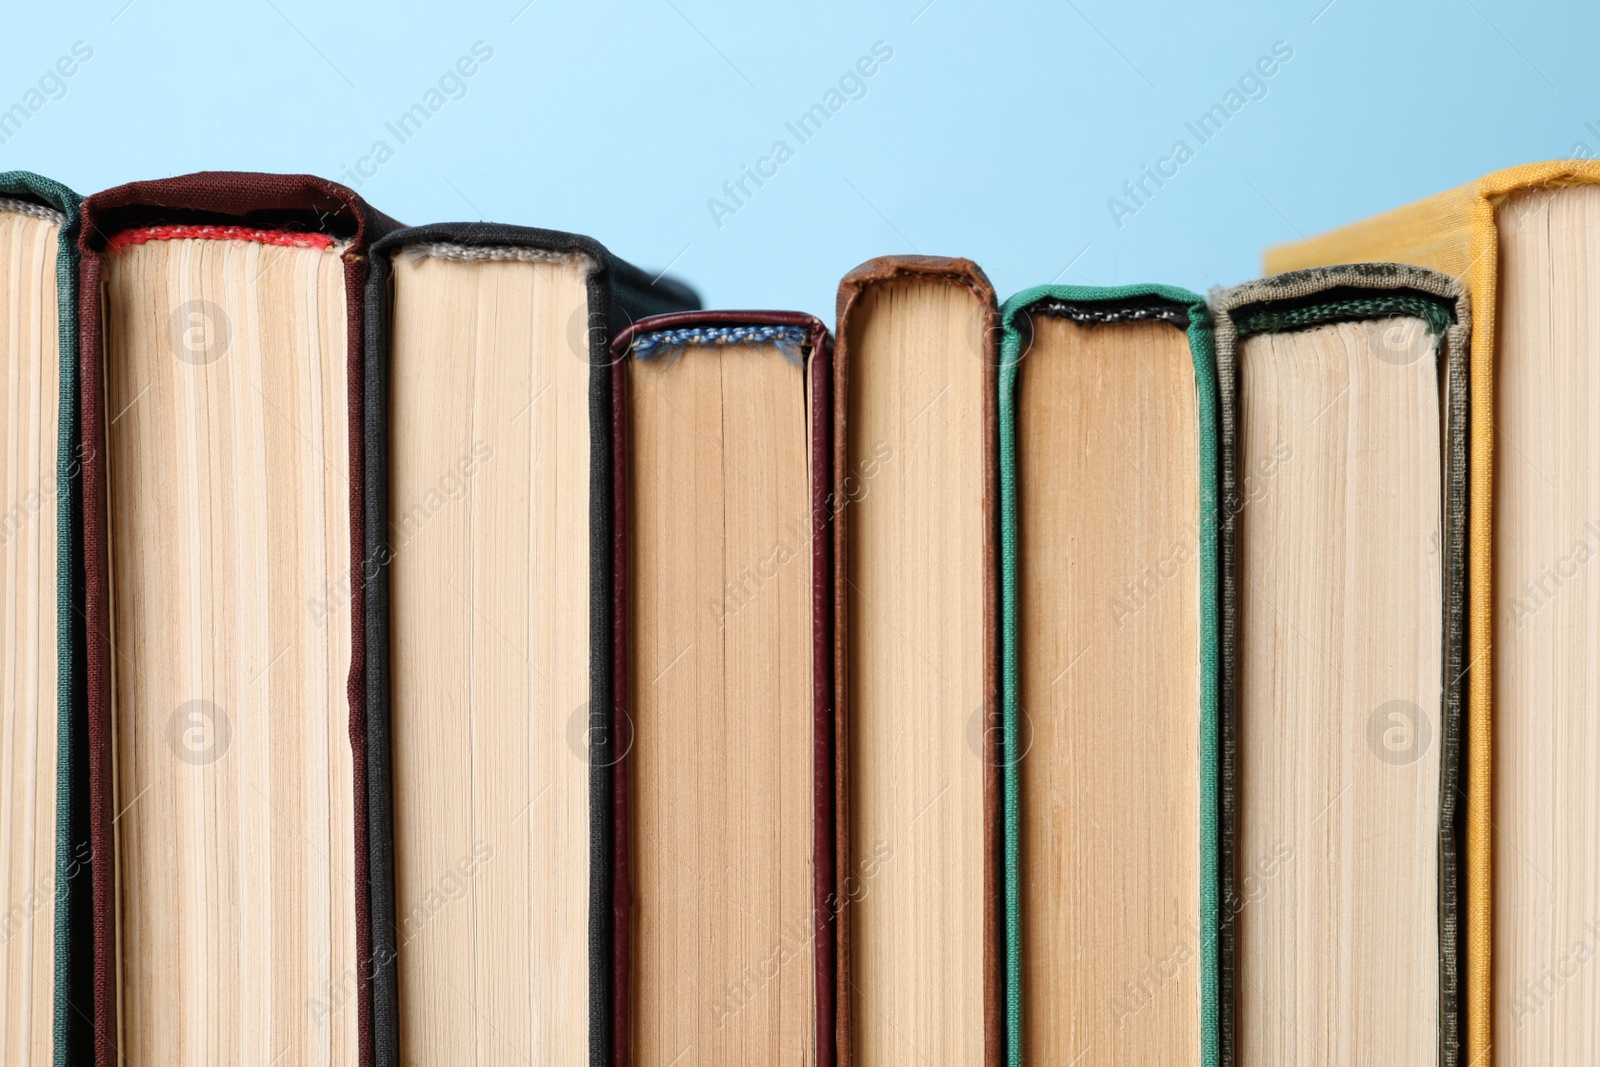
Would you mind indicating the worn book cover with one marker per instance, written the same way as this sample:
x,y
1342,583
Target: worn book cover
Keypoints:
x,y
916,664
1495,234
1343,433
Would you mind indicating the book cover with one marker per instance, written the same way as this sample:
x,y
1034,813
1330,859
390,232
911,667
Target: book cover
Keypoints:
x,y
286,212
1079,1012
774,623
572,371
1422,319
914,466
33,195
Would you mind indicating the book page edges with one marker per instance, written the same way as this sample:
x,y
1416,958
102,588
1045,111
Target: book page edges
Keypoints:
x,y
1455,232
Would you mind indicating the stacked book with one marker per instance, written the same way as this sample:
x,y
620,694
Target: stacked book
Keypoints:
x,y
452,646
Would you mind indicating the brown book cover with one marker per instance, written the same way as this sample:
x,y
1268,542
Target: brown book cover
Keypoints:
x,y
854,487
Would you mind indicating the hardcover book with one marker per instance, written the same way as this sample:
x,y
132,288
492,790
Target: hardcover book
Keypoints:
x,y
1523,241
44,950
916,666
489,639
1343,433
1109,646
222,417
724,792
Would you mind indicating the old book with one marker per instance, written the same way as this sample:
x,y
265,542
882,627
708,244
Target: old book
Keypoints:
x,y
222,418
916,680
44,840
1110,628
723,888
489,639
1343,422
1523,240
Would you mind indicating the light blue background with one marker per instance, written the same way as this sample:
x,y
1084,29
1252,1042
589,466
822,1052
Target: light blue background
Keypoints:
x,y
997,131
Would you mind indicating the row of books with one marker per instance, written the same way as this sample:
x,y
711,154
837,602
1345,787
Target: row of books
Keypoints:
x,y
450,645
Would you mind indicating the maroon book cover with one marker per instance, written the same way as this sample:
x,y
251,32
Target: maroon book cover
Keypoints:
x,y
817,355
277,209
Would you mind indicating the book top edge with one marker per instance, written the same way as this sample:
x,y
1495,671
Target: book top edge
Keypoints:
x,y
27,187
33,209
492,240
299,203
1313,282
792,332
1450,210
884,269
485,253
125,239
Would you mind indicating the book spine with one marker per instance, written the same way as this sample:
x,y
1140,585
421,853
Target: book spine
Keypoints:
x,y
824,502
97,672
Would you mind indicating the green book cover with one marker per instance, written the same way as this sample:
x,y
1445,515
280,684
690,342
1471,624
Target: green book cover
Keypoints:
x,y
71,1011
1124,303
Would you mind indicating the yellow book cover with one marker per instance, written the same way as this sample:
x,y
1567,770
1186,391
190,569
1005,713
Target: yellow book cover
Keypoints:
x,y
1460,232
